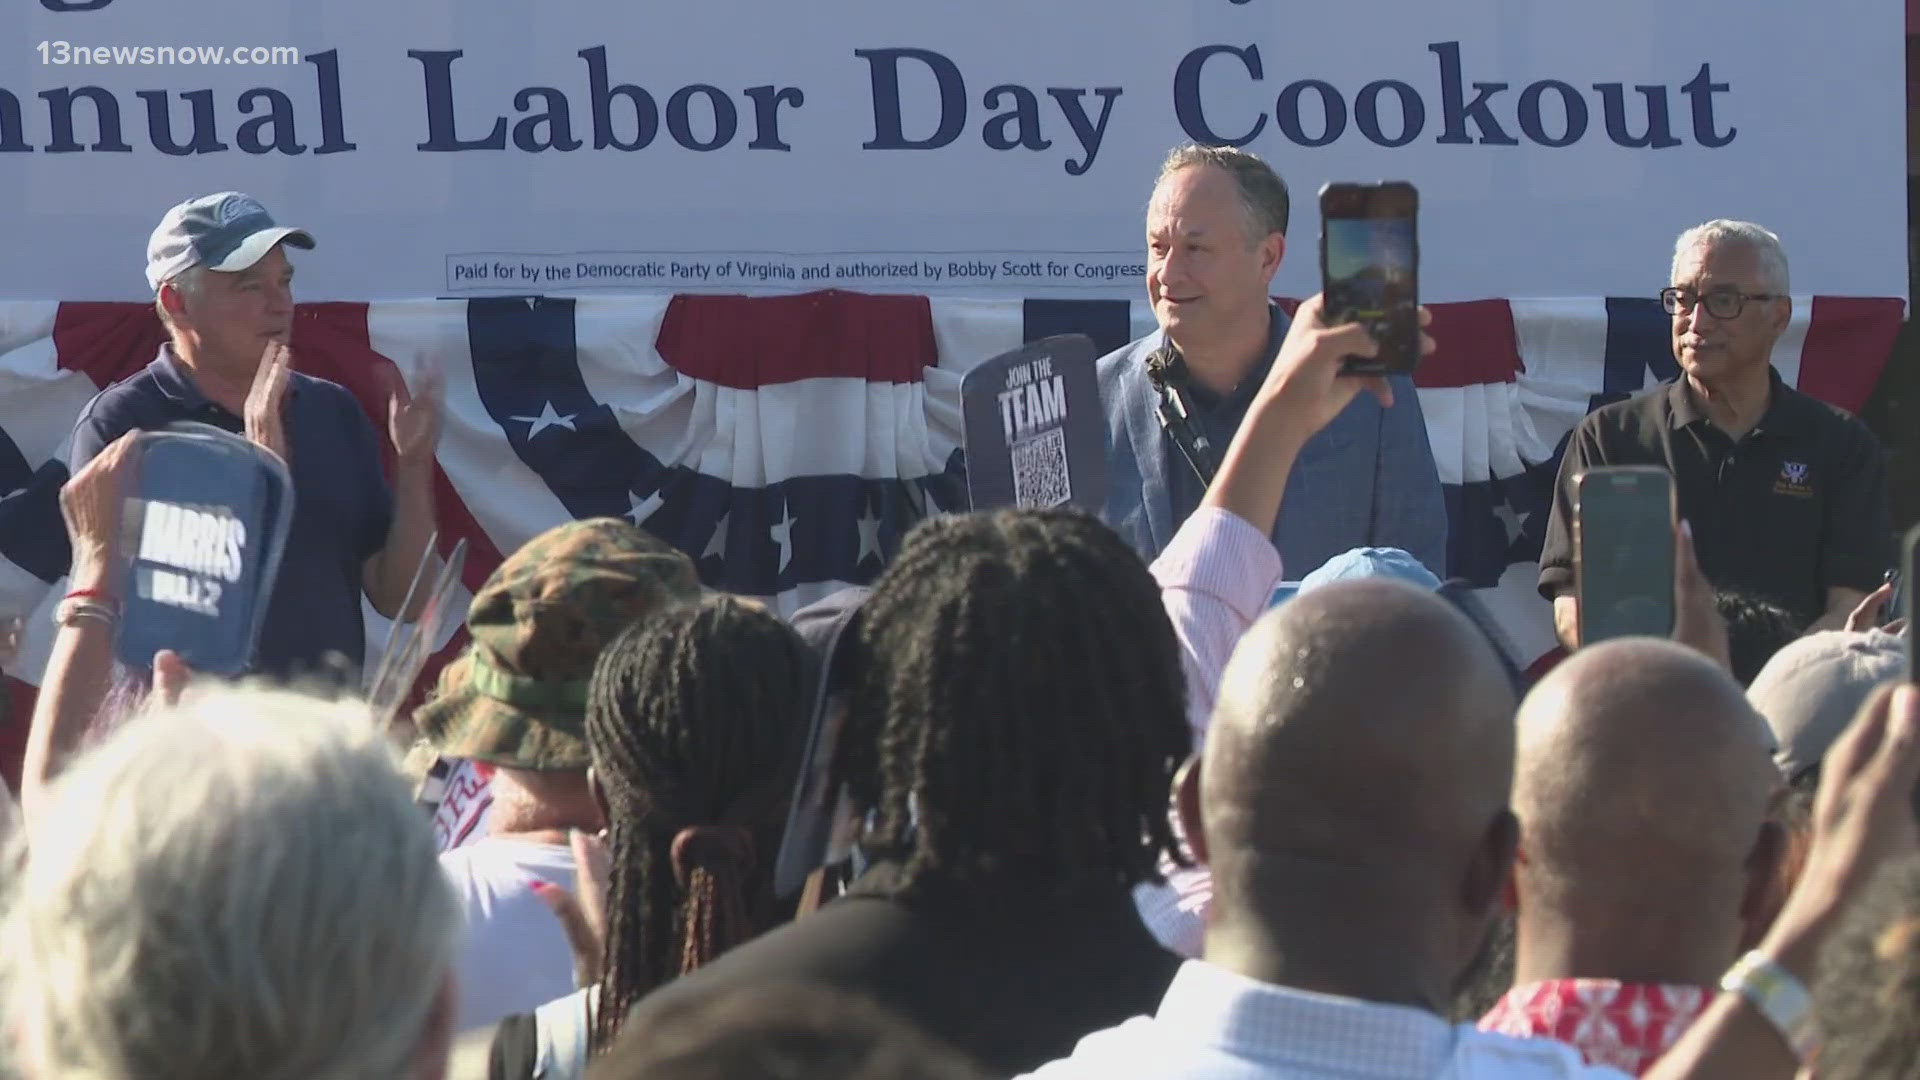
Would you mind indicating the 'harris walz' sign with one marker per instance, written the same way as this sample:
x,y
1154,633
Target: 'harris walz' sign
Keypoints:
x,y
1035,435
207,521
189,555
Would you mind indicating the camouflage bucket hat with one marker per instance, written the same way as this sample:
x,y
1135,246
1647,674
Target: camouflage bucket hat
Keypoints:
x,y
518,695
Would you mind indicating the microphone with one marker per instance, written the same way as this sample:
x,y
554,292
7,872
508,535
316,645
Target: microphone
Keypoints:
x,y
1159,361
1166,368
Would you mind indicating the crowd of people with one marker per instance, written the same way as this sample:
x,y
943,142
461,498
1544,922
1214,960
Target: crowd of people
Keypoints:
x,y
1086,797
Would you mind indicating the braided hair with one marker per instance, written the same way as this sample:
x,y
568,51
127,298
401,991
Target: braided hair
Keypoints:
x,y
1026,686
694,717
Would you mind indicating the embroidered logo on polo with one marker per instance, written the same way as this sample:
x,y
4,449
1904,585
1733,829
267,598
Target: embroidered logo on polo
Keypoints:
x,y
1795,479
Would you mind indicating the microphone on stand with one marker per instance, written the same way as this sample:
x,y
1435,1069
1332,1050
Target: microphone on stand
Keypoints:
x,y
1166,368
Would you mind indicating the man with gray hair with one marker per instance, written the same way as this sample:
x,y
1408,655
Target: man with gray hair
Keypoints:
x,y
1786,495
223,287
1216,233
237,885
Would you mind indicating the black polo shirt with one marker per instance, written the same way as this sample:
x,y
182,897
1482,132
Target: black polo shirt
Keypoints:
x,y
1795,507
341,510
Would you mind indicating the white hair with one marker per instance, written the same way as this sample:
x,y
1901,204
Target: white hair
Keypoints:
x,y
240,885
1762,241
189,281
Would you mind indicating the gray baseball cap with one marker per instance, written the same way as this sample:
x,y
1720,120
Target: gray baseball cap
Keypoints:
x,y
1810,690
227,231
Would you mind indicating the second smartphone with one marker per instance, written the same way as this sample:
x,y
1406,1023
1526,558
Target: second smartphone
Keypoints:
x,y
1370,268
1623,552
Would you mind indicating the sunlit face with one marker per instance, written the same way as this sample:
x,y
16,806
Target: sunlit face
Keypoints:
x,y
1204,269
232,317
1710,348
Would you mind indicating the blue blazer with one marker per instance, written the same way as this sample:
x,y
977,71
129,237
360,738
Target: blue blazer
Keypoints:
x,y
1366,480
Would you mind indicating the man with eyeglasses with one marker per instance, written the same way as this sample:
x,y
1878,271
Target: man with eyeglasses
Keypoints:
x,y
1786,495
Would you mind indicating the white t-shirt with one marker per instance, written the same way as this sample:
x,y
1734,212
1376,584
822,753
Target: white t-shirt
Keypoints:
x,y
514,956
463,806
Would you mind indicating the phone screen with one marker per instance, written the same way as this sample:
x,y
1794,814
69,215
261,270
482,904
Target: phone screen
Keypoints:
x,y
1370,264
1623,524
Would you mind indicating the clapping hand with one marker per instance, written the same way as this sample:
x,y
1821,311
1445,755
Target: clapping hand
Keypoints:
x,y
414,415
266,401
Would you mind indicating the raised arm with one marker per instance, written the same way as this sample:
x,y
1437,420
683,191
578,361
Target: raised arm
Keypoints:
x,y
1862,819
1221,568
80,669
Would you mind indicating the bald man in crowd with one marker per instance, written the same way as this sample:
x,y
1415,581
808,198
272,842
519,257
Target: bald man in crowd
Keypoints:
x,y
1359,836
1642,782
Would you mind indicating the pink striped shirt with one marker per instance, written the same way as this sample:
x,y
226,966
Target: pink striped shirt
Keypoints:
x,y
1216,578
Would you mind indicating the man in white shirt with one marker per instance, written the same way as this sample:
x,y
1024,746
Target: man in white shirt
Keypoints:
x,y
516,700
1359,837
1353,809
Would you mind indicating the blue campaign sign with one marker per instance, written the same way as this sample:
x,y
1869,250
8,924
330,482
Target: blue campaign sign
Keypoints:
x,y
206,522
1035,434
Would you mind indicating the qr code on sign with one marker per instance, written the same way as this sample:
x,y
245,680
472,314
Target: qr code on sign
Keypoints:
x,y
1040,470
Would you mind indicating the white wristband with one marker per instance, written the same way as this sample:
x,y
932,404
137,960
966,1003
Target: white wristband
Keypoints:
x,y
1776,994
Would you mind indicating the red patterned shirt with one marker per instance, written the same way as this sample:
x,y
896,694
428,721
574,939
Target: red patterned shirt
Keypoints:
x,y
1625,1025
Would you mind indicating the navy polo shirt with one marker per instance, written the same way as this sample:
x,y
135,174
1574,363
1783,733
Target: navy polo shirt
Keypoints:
x,y
342,505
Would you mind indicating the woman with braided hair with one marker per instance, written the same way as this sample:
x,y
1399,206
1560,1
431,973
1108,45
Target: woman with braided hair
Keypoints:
x,y
1016,720
694,720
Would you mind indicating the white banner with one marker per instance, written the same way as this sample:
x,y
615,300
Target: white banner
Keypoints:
x,y
437,147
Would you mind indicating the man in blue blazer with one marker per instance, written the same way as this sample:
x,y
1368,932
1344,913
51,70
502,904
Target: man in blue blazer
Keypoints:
x,y
1216,232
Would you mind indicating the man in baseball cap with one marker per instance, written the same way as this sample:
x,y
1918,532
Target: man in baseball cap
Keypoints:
x,y
228,232
223,288
516,700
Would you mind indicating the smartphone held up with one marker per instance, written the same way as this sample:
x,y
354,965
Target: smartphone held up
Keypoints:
x,y
1370,269
1623,522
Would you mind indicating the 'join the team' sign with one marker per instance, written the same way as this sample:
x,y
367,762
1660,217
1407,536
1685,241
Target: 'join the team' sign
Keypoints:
x,y
1035,434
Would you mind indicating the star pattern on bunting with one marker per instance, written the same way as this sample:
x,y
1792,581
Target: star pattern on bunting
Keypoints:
x,y
717,543
869,526
1515,522
639,510
782,533
547,418
531,364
